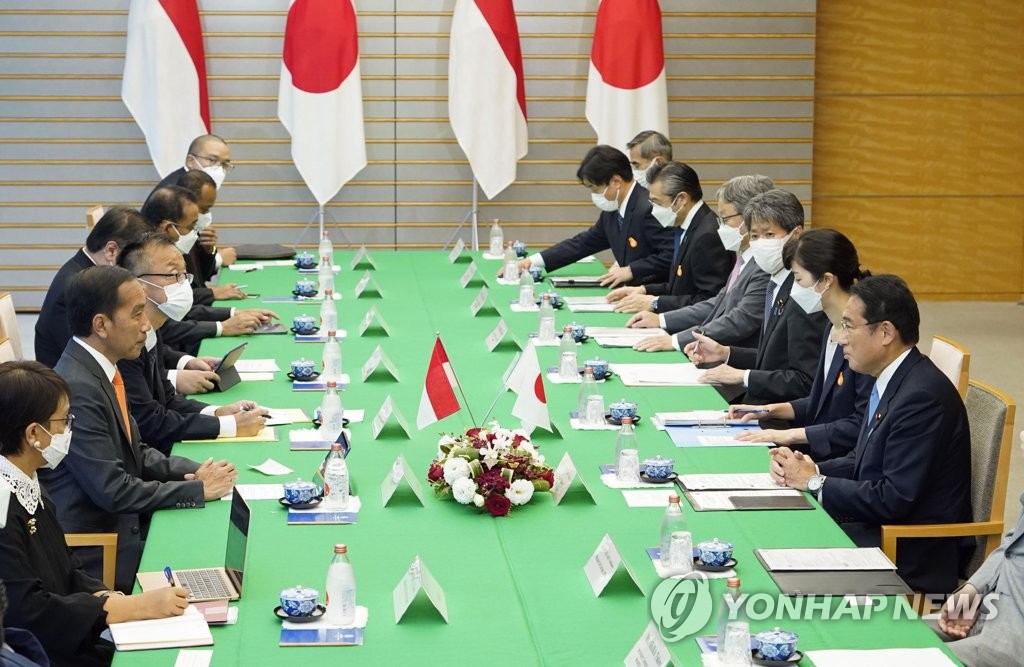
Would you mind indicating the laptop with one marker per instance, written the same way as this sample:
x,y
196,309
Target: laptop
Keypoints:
x,y
214,583
226,370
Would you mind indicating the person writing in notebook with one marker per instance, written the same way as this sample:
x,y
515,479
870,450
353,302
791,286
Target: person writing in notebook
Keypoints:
x,y
49,593
113,481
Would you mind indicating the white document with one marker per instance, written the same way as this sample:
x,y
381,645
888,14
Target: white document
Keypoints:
x,y
721,500
726,441
651,498
506,281
516,308
256,377
752,480
353,507
625,332
700,418
649,650
658,375
256,366
189,629
590,307
285,416
615,341
259,491
577,425
193,658
886,657
362,616
246,268
828,558
612,482
272,467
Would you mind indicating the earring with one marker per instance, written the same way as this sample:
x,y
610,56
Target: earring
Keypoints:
x,y
37,444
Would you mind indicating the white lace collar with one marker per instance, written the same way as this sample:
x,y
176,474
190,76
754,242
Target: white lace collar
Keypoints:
x,y
25,488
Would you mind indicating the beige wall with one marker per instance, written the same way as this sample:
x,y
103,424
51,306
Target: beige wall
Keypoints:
x,y
919,140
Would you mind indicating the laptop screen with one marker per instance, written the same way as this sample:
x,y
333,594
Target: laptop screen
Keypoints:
x,y
238,540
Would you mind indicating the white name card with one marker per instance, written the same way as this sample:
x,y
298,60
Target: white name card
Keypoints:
x,y
367,280
565,473
479,301
453,256
376,359
602,566
387,410
467,277
418,578
400,470
373,316
649,650
362,256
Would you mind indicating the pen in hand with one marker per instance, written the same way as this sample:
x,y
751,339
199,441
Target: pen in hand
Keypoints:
x,y
169,575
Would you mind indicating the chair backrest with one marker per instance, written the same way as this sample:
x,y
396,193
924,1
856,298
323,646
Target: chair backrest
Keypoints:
x,y
991,414
954,360
7,351
9,323
106,540
93,215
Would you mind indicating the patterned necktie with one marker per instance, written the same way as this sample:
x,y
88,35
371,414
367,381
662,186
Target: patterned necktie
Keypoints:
x,y
769,297
737,269
122,398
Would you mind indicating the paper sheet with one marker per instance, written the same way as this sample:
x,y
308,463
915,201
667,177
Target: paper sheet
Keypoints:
x,y
613,482
285,416
193,658
831,558
272,467
625,332
658,375
258,491
720,500
724,441
887,657
255,377
753,480
577,425
590,307
651,498
268,434
256,366
353,506
700,418
516,308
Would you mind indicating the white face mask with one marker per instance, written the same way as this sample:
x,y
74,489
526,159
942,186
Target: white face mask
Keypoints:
x,y
178,300
604,204
664,214
60,444
768,253
217,173
186,241
731,237
204,221
808,298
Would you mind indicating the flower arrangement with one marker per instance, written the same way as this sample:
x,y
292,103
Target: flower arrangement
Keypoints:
x,y
493,469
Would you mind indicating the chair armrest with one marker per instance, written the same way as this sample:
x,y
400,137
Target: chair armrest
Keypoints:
x,y
106,540
890,533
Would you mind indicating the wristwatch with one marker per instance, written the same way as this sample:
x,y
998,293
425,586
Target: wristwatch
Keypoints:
x,y
815,483
654,304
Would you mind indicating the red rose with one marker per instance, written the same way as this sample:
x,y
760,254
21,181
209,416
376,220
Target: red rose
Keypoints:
x,y
518,439
473,432
497,505
549,476
435,474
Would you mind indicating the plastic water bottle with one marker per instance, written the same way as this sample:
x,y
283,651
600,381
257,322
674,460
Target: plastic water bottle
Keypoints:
x,y
527,299
626,439
673,521
326,251
341,589
567,368
497,239
325,277
732,593
546,321
331,414
328,312
587,388
332,358
511,264
336,480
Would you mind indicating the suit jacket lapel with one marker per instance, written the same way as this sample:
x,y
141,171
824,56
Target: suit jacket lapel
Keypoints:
x,y
85,359
829,383
779,304
872,422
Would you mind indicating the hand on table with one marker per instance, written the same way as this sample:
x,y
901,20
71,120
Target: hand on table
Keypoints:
x,y
654,344
790,468
635,303
217,478
616,276
721,376
703,350
228,292
644,320
622,292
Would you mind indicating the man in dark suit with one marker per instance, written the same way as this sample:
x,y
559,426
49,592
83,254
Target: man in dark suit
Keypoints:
x,y
164,416
118,227
912,461
205,255
734,315
645,150
700,263
641,246
111,481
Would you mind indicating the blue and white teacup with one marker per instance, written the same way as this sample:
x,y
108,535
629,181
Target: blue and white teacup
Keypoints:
x,y
622,408
299,492
714,552
537,273
658,467
776,644
305,260
305,287
303,369
578,331
600,367
299,601
556,300
304,324
520,248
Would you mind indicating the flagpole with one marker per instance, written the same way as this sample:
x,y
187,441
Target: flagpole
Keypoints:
x,y
475,211
320,214
471,216
459,385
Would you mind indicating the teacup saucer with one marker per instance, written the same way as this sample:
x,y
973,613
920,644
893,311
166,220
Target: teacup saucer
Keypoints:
x,y
554,307
291,376
581,340
618,422
301,506
607,375
344,422
653,480
308,296
729,564
307,333
317,613
791,660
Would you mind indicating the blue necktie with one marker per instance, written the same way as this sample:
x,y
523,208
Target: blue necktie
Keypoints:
x,y
872,406
621,219
680,235
769,297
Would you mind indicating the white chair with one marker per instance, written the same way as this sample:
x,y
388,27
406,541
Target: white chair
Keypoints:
x,y
93,215
954,360
7,351
9,324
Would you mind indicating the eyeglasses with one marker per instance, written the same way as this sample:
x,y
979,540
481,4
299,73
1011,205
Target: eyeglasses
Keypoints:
x,y
722,219
69,420
178,277
849,326
213,159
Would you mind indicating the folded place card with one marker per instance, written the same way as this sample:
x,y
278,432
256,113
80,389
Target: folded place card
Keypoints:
x,y
400,470
367,285
469,275
362,258
376,359
453,256
418,578
383,416
602,565
479,301
649,650
372,317
495,337
565,473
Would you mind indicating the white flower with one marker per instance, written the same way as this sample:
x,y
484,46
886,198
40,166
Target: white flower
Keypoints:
x,y
489,457
455,469
520,492
502,439
528,448
478,500
463,490
446,439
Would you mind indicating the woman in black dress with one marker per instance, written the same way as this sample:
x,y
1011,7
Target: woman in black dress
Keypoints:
x,y
48,593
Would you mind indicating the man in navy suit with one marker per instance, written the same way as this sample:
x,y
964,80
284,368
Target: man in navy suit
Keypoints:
x,y
912,461
641,246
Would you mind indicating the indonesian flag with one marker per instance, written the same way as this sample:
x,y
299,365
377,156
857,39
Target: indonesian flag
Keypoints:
x,y
164,82
531,404
438,400
626,91
320,99
486,94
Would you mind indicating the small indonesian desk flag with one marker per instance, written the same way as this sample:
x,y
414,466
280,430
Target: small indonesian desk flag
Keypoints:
x,y
164,81
320,99
626,90
438,400
531,404
486,93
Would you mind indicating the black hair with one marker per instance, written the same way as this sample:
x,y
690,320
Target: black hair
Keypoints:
x,y
887,298
167,203
133,257
601,163
29,394
92,292
778,206
676,177
822,251
194,180
120,224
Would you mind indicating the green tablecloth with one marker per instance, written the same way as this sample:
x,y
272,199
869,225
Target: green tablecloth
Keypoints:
x,y
515,586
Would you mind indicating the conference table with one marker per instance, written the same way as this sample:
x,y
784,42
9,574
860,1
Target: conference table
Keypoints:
x,y
515,586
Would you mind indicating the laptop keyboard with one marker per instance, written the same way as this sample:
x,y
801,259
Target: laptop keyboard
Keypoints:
x,y
204,584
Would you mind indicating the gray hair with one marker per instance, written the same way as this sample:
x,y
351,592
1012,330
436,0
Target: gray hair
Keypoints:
x,y
778,206
652,144
741,189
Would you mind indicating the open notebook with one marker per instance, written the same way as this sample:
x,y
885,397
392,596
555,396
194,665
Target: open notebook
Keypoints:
x,y
189,629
